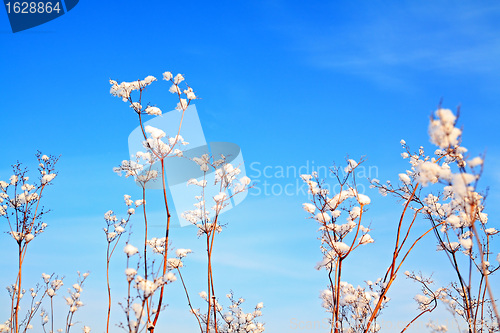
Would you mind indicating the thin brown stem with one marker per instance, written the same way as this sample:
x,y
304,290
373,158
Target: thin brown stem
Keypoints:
x,y
189,301
108,287
162,289
483,270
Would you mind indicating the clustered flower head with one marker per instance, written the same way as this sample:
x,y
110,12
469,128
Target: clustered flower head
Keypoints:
x,y
234,319
157,244
74,299
356,303
350,306
226,180
147,287
176,263
442,130
142,167
124,90
159,147
20,199
459,205
327,210
116,228
456,212
130,250
427,300
52,285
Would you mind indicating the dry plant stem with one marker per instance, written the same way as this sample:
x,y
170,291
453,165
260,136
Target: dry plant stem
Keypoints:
x,y
393,276
338,272
145,246
189,300
464,286
127,311
69,319
34,308
333,288
212,278
109,289
409,229
142,311
414,319
337,301
20,268
168,217
423,312
178,131
211,290
454,263
479,297
483,297
12,310
142,127
145,219
483,270
52,314
209,278
160,300
161,158
108,258
396,251
182,118
332,284
452,258
21,255
109,254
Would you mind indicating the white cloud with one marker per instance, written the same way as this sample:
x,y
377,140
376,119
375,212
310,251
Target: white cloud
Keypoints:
x,y
386,44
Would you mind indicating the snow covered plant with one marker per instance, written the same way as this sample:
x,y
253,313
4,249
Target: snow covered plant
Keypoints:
x,y
140,305
234,320
428,300
143,307
20,205
442,187
206,217
114,230
350,307
74,302
354,309
157,147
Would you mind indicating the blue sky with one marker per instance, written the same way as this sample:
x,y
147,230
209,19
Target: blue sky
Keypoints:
x,y
292,83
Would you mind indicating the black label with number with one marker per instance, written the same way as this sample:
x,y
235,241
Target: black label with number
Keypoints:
x,y
28,14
